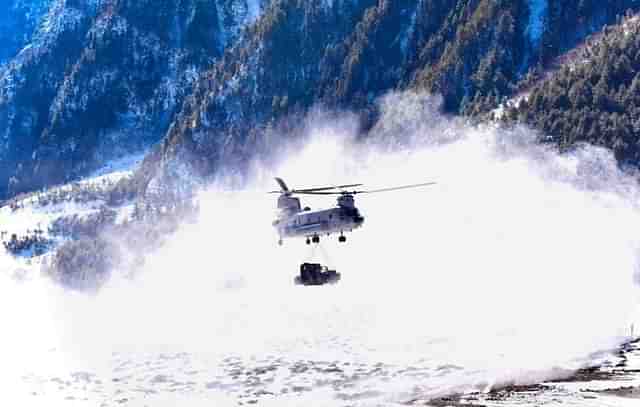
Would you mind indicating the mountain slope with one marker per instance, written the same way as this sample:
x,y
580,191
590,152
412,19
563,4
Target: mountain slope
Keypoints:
x,y
473,52
100,79
595,99
18,22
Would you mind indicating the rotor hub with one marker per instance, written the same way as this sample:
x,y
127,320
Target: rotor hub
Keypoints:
x,y
346,201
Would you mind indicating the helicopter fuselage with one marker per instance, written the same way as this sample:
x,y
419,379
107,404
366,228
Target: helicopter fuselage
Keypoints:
x,y
294,222
316,223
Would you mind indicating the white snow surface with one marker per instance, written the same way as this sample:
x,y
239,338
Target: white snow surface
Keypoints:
x,y
117,168
520,261
615,374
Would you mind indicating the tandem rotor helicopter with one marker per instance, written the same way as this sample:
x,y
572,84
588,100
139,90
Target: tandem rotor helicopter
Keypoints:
x,y
295,221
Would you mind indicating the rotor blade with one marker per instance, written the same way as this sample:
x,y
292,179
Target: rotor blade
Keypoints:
x,y
315,191
325,188
283,186
321,193
373,191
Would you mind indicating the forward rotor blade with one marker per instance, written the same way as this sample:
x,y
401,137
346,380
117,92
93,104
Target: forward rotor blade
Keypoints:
x,y
322,193
373,191
316,191
325,188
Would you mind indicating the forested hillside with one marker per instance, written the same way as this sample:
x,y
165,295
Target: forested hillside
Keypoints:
x,y
594,99
213,79
474,53
102,79
18,22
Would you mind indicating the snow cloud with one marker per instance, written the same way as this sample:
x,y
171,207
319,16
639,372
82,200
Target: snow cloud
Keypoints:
x,y
518,264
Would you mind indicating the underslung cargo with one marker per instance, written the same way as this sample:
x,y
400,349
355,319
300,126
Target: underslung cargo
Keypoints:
x,y
316,274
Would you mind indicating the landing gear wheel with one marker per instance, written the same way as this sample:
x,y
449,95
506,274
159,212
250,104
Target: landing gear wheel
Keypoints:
x,y
280,242
308,241
342,239
316,239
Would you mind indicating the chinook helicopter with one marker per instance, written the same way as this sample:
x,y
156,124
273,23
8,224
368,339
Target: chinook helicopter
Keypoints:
x,y
295,221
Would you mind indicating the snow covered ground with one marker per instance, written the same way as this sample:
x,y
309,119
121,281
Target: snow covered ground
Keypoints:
x,y
191,379
519,267
38,211
117,169
615,383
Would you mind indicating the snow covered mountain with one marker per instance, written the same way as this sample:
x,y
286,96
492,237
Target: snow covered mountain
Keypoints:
x,y
126,280
473,53
222,82
101,79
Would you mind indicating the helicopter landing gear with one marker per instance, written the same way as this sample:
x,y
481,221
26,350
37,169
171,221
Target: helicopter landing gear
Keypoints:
x,y
315,239
342,239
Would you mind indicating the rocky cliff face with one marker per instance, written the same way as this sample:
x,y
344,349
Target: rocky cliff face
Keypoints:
x,y
103,78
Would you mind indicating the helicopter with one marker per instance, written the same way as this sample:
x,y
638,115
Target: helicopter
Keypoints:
x,y
295,221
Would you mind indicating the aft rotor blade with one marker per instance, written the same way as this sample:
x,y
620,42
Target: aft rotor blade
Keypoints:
x,y
373,191
282,184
